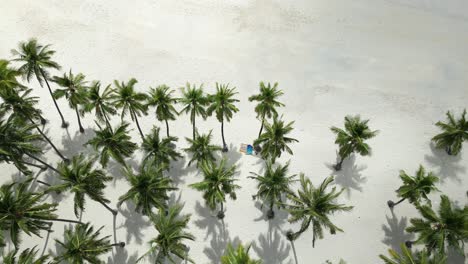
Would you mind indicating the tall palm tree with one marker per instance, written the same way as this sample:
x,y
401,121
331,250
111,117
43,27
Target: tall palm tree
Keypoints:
x,y
100,102
82,244
22,106
222,104
194,101
218,181
446,227
352,138
171,236
406,257
274,140
201,148
27,256
238,255
8,77
416,187
453,135
74,91
148,189
37,61
159,150
161,98
22,210
267,102
80,178
126,98
113,143
273,186
313,205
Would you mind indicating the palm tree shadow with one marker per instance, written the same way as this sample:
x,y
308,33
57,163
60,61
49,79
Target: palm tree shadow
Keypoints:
x,y
208,220
178,169
116,170
59,250
73,146
281,217
272,249
349,177
449,166
218,246
454,257
232,156
134,224
121,256
395,233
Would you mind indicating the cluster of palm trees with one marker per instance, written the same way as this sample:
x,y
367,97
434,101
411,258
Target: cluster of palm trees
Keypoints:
x,y
22,129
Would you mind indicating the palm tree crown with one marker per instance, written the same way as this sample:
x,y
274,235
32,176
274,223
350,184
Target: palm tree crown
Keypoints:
x,y
21,104
453,135
27,256
238,255
406,257
194,102
201,148
161,98
159,150
8,76
267,102
100,102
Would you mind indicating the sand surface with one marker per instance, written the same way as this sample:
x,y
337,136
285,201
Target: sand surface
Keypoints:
x,y
402,64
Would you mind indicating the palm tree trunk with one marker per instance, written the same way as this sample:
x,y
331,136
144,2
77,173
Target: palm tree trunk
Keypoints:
x,y
33,165
48,140
167,127
63,220
42,162
64,124
225,149
294,251
271,213
107,122
261,127
121,244
114,212
79,120
43,183
138,124
193,127
338,165
46,240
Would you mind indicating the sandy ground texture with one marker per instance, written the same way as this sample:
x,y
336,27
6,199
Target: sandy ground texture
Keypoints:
x,y
402,64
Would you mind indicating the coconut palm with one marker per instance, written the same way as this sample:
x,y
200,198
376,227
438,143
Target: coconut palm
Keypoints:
x,y
194,101
21,210
267,102
21,104
169,243
161,98
352,138
238,255
80,178
313,205
113,143
74,91
126,98
406,257
8,77
100,102
274,140
222,104
201,148
453,135
37,61
84,245
218,181
273,186
416,187
159,150
148,189
446,227
27,256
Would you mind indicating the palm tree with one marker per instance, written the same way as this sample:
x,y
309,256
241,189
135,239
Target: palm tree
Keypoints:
x,y
171,236
267,102
415,188
201,148
126,98
453,135
22,106
37,60
238,255
222,104
80,178
159,150
148,189
8,77
449,226
351,139
218,182
313,206
27,256
161,98
74,91
100,102
82,243
21,210
273,185
113,143
194,102
406,257
274,140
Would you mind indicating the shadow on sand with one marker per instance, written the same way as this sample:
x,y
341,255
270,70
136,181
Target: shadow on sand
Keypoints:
x,y
134,223
349,177
272,248
448,167
395,233
73,146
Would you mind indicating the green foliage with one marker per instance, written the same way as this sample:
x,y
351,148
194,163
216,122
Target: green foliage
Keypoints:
x,y
99,102
240,255
447,227
126,98
267,100
313,205
8,77
20,103
201,149
148,188
453,135
194,101
171,236
27,256
161,98
222,102
406,257
113,143
159,150
74,89
274,140
416,187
